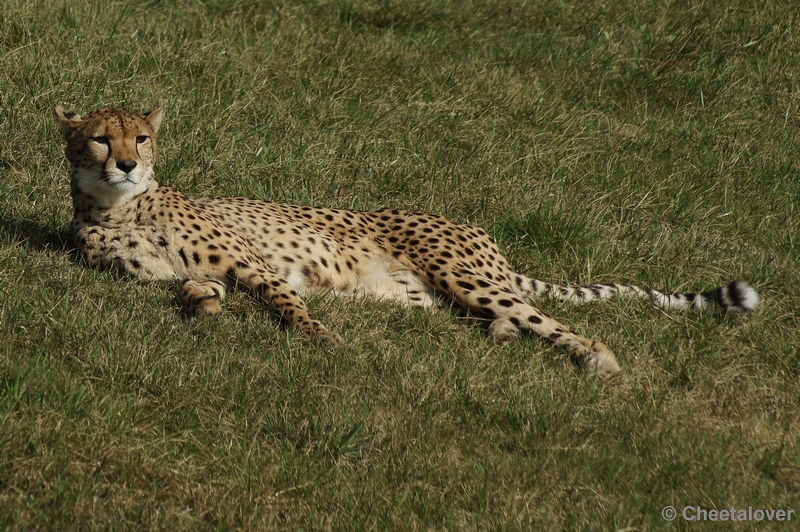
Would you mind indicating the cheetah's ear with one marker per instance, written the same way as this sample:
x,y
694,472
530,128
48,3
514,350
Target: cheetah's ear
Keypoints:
x,y
153,118
68,119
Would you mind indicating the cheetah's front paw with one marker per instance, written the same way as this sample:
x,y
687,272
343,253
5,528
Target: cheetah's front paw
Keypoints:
x,y
202,299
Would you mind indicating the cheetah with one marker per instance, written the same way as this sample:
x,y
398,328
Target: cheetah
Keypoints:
x,y
124,219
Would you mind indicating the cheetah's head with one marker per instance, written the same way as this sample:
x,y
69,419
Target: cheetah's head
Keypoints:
x,y
112,152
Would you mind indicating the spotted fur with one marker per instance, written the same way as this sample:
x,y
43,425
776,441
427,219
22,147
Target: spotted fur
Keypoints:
x,y
124,219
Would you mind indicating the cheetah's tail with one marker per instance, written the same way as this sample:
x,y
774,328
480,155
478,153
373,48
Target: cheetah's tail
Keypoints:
x,y
736,298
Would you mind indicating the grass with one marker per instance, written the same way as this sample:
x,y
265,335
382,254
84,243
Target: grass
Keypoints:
x,y
652,142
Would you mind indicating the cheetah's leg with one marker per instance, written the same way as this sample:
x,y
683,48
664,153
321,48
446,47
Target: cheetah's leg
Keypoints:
x,y
274,288
510,314
202,299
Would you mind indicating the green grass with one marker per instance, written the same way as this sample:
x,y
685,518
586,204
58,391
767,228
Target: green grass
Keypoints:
x,y
651,142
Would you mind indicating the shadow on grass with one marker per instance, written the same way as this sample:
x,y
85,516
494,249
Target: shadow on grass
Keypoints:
x,y
37,236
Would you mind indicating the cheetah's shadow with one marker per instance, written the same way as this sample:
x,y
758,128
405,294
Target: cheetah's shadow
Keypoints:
x,y
43,239
39,237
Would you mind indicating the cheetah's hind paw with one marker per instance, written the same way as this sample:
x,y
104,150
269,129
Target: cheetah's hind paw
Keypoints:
x,y
601,362
328,338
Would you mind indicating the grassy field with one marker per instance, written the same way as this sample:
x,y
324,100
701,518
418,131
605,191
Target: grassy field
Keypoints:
x,y
651,142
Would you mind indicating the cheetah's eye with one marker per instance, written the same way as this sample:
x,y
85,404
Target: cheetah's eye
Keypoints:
x,y
141,139
101,139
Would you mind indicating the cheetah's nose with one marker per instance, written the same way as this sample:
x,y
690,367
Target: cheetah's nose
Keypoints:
x,y
126,166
